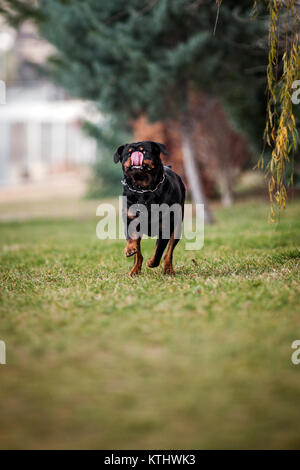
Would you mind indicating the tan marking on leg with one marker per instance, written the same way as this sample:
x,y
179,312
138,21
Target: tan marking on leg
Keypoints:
x,y
131,247
150,262
168,263
138,260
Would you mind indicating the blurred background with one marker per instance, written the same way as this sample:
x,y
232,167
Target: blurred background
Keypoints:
x,y
44,151
76,91
96,359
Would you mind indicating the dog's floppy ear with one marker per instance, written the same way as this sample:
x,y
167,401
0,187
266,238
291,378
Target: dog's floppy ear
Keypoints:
x,y
161,147
118,153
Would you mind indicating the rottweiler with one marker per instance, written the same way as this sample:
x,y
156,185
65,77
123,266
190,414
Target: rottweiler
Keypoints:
x,y
152,193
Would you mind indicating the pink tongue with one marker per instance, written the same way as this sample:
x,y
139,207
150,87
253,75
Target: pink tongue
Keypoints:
x,y
137,158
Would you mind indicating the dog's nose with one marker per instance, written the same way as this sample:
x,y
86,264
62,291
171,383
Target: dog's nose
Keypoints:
x,y
137,159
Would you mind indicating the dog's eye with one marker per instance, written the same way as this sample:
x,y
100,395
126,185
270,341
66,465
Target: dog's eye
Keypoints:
x,y
141,148
130,150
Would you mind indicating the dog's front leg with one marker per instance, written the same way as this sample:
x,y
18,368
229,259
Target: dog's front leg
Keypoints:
x,y
133,247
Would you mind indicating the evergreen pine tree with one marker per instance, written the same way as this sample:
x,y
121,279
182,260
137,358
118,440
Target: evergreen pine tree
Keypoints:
x,y
133,57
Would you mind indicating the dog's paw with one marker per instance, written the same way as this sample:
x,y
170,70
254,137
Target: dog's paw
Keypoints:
x,y
152,264
130,252
135,272
131,248
169,270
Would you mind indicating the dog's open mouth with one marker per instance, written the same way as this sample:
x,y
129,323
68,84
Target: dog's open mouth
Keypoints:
x,y
139,172
140,176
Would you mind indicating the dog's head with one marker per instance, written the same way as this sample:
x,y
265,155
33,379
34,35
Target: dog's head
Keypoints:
x,y
141,162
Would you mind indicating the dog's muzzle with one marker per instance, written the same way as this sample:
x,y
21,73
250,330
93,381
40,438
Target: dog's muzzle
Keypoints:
x,y
137,159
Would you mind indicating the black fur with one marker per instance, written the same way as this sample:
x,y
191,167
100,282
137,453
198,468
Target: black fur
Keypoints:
x,y
170,191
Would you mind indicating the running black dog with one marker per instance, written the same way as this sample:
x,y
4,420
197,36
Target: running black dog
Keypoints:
x,y
149,184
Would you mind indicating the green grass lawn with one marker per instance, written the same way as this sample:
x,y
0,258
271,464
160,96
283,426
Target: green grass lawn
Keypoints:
x,y
98,360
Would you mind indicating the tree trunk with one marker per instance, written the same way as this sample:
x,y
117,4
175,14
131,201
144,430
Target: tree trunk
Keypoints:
x,y
226,190
191,170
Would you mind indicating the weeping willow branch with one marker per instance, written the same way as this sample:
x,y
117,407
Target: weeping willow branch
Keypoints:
x,y
218,2
283,69
281,131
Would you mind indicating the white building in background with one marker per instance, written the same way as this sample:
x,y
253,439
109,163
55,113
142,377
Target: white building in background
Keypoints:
x,y
40,128
39,138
